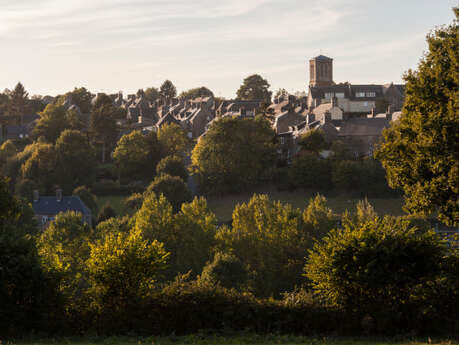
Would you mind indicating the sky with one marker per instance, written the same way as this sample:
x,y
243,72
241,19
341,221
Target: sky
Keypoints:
x,y
52,46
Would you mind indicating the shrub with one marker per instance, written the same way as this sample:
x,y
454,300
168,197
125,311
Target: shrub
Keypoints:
x,y
173,188
226,270
310,171
377,267
106,213
173,166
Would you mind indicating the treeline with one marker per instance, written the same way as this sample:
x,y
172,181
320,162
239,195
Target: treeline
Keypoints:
x,y
275,269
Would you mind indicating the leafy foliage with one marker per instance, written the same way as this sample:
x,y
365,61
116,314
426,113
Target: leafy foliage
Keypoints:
x,y
377,265
421,151
173,188
188,235
53,121
168,90
197,92
254,87
174,140
235,154
123,268
313,141
173,166
76,160
136,155
272,239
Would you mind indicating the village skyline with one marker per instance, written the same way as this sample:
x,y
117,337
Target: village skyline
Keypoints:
x,y
112,46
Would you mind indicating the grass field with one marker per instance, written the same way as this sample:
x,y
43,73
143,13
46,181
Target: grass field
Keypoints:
x,y
223,206
236,340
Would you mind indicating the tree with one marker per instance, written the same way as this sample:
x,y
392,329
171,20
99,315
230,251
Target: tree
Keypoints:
x,y
81,97
53,121
152,94
25,289
272,239
254,87
374,267
40,167
226,270
173,188
89,199
136,155
420,152
313,140
174,140
235,154
309,170
102,123
64,247
18,101
75,160
123,269
173,166
106,213
167,90
197,92
188,235
7,150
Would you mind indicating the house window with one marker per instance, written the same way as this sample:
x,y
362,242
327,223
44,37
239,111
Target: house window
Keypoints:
x,y
360,94
371,94
282,140
328,95
339,95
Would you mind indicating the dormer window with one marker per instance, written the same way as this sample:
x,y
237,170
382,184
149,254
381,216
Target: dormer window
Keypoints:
x,y
360,94
371,94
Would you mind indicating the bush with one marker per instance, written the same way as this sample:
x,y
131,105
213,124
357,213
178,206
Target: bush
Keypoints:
x,y
379,267
173,166
227,271
173,188
106,213
310,171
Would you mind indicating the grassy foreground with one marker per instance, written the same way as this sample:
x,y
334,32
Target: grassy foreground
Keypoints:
x,y
237,340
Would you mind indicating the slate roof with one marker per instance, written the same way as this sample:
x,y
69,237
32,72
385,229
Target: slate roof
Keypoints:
x,y
322,58
48,205
363,127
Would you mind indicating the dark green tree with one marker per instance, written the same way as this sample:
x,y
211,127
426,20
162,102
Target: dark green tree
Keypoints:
x,y
173,188
173,166
152,94
53,121
106,213
235,154
420,152
313,141
173,140
18,102
136,155
254,87
168,90
102,124
375,267
197,92
76,160
89,199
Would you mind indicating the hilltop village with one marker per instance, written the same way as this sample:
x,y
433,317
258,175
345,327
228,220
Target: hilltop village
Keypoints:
x,y
356,114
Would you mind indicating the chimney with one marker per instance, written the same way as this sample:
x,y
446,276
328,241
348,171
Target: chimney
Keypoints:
x,y
36,195
59,194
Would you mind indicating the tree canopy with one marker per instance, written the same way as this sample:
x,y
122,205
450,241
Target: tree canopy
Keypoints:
x,y
168,90
420,152
254,87
235,153
197,92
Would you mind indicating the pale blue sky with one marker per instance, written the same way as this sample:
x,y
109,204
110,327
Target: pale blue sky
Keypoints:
x,y
51,46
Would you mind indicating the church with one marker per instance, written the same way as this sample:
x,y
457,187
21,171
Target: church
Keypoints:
x,y
345,100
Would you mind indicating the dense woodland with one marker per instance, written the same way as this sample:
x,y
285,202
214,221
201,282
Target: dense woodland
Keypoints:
x,y
170,266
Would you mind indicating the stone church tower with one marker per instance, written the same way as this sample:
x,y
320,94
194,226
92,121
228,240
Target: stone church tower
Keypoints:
x,y
321,71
